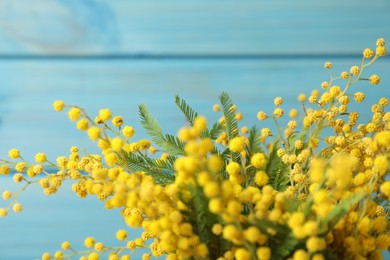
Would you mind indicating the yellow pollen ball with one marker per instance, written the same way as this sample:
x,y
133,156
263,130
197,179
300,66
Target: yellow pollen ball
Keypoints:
x,y
46,256
105,114
261,178
144,144
383,102
263,253
40,157
328,65
301,97
293,113
82,124
215,163
252,234
94,133
200,123
368,53
128,131
121,235
233,168
237,144
65,245
258,160
17,207
242,254
278,101
278,112
3,212
374,79
211,189
5,170
14,153
380,51
215,205
344,75
314,244
74,113
7,195
89,242
354,70
58,105
385,189
261,115
117,121
117,144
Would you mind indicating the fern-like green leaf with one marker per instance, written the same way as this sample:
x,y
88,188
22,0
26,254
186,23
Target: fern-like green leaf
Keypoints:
x,y
231,121
283,243
161,173
254,141
189,113
253,148
203,220
215,131
277,171
169,143
230,115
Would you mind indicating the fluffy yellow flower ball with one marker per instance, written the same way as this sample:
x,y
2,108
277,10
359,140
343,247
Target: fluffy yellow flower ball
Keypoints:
x,y
14,153
94,133
121,234
74,113
128,131
258,160
58,105
105,114
117,121
237,144
89,242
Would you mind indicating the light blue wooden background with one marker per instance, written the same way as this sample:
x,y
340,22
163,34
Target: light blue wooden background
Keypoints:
x,y
121,53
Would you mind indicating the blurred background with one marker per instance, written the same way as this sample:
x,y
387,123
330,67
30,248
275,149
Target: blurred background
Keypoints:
x,y
118,54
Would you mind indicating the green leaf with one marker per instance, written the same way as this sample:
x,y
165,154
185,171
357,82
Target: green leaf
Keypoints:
x,y
283,243
214,132
254,141
189,113
303,136
202,221
253,147
278,172
162,173
231,122
169,143
230,115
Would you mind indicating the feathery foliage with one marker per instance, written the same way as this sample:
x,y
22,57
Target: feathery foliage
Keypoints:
x,y
163,173
203,220
230,121
189,113
277,171
169,143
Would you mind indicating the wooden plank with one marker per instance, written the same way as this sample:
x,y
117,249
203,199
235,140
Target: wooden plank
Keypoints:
x,y
47,221
28,90
27,121
123,27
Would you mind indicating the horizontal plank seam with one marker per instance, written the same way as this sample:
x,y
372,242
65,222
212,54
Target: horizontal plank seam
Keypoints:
x,y
181,56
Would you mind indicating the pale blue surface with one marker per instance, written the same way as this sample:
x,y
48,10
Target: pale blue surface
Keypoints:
x,y
268,33
191,27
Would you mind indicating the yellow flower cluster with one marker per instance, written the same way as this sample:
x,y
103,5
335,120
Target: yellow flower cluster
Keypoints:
x,y
218,193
